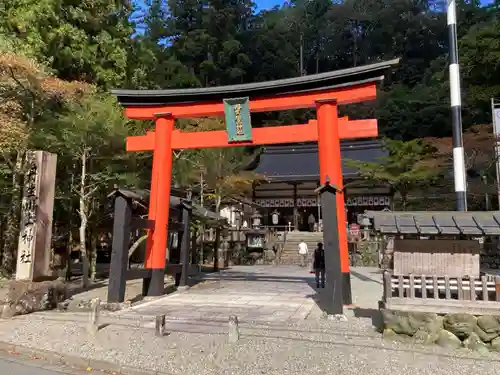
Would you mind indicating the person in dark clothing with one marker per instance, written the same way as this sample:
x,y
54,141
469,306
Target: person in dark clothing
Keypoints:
x,y
319,265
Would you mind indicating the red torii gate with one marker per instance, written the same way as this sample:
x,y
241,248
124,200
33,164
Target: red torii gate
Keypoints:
x,y
323,91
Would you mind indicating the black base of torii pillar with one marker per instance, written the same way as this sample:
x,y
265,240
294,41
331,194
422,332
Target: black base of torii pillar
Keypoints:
x,y
333,272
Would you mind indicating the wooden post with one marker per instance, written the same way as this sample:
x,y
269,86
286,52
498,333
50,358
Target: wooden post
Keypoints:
x,y
330,166
186,223
160,325
216,249
234,330
93,324
295,208
333,287
387,292
119,251
159,205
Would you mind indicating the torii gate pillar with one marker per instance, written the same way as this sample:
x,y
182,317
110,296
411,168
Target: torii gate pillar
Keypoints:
x,y
330,171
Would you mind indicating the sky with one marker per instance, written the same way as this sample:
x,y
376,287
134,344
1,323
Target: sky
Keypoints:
x,y
268,4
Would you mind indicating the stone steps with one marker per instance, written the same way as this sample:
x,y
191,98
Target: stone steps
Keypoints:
x,y
290,253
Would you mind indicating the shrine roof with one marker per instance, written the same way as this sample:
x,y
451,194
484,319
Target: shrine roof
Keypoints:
x,y
290,163
436,223
309,83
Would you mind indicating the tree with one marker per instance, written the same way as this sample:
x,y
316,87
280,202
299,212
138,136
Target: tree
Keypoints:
x,y
221,171
404,169
85,41
28,94
479,55
480,161
91,135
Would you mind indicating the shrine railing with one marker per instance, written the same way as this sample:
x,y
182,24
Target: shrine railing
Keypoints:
x,y
441,294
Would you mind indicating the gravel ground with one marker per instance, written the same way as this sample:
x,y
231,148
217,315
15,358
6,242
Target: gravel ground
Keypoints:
x,y
201,347
195,346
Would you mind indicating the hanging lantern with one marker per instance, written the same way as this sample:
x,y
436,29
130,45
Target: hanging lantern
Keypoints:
x,y
275,217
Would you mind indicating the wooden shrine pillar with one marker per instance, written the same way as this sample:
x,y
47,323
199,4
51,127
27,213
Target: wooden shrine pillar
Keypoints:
x,y
159,206
122,225
186,238
295,208
330,166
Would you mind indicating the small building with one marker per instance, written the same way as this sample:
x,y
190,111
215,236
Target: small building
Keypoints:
x,y
292,173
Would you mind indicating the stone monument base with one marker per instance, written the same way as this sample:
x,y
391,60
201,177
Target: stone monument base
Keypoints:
x,y
475,332
25,297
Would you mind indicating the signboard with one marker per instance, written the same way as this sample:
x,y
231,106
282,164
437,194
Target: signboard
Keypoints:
x,y
354,230
453,258
238,123
380,200
33,254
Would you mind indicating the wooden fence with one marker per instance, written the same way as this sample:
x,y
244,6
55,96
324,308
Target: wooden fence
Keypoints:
x,y
473,295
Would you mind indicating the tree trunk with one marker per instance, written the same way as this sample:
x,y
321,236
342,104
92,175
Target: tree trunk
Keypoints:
x,y
93,255
13,218
404,201
69,250
83,222
217,233
136,244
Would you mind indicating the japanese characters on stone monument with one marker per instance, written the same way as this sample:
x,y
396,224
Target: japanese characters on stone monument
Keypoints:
x,y
33,254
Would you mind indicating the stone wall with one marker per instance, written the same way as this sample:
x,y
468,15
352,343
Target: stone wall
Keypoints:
x,y
25,297
478,333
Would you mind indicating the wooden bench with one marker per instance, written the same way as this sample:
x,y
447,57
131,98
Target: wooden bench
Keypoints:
x,y
442,294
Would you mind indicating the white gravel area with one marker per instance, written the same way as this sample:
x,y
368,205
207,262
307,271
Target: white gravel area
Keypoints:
x,y
201,347
273,340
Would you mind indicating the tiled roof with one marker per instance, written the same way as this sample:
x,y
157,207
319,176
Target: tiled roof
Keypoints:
x,y
300,162
437,222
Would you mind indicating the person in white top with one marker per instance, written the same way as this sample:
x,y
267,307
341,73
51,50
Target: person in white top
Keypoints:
x,y
303,250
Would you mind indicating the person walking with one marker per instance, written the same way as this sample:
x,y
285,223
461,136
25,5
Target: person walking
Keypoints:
x,y
303,250
319,265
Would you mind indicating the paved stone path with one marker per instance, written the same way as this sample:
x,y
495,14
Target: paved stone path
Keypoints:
x,y
13,368
281,294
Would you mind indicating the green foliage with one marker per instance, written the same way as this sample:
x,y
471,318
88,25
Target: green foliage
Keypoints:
x,y
405,169
221,170
85,41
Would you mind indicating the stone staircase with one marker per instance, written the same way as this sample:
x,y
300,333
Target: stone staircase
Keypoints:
x,y
290,252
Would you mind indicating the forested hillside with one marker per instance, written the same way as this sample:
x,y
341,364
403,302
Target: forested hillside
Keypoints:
x,y
173,44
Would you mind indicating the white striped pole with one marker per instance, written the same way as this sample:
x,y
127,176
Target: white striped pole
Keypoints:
x,y
456,111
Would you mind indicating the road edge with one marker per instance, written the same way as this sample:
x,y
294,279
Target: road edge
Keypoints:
x,y
78,363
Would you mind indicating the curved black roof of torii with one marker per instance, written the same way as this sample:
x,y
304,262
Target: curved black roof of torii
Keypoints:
x,y
309,83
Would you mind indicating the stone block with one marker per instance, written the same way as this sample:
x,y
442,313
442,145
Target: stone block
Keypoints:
x,y
25,297
489,324
446,339
484,336
409,323
389,334
424,337
495,344
461,325
473,342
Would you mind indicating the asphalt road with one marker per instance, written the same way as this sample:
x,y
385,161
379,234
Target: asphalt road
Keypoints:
x,y
13,368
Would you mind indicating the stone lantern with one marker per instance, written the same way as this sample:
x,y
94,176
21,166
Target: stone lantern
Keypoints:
x,y
256,220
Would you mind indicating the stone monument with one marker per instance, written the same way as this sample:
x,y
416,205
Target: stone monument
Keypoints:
x,y
34,248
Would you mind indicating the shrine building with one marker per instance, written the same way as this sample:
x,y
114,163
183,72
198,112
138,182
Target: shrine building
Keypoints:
x,y
292,173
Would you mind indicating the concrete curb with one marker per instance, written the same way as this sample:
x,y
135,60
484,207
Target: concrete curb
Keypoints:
x,y
75,362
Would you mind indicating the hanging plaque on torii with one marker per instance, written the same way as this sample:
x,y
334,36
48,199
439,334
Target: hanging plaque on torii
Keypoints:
x,y
238,123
